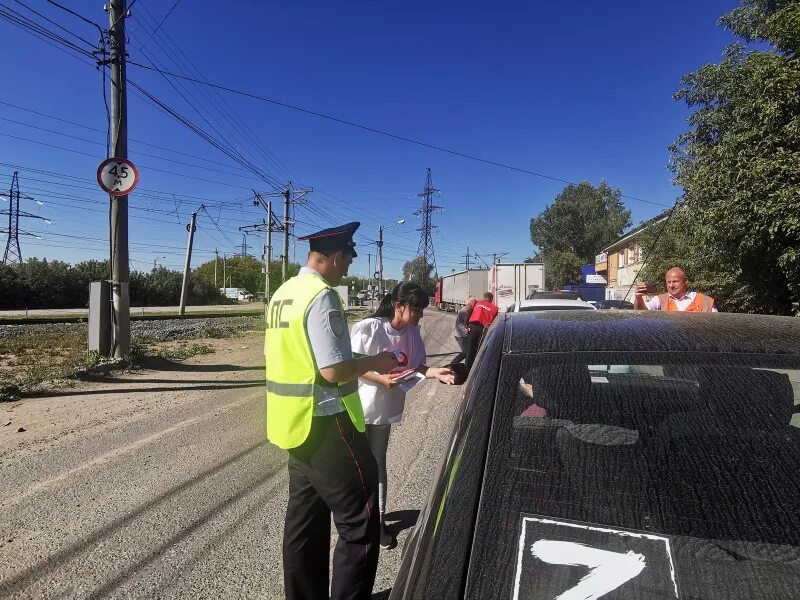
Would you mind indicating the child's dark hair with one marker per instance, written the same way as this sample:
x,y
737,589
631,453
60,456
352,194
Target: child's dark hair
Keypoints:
x,y
407,293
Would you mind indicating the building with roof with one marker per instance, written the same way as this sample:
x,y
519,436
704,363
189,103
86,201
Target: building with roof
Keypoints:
x,y
621,261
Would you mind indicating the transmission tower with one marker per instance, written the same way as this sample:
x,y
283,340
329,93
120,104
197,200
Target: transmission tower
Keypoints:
x,y
13,232
425,249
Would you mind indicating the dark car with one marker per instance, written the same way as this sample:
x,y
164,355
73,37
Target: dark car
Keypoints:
x,y
602,454
618,304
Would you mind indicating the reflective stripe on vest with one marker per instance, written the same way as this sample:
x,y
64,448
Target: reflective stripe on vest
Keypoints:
x,y
700,303
292,372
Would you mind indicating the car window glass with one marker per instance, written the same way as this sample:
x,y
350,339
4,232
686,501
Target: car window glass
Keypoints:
x,y
703,458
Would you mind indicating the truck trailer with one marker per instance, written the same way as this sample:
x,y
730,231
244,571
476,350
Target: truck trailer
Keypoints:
x,y
453,290
513,282
508,282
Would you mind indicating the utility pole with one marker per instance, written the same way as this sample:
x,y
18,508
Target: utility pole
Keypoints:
x,y
267,256
120,270
380,259
287,197
271,224
216,260
224,276
244,243
184,288
467,259
369,280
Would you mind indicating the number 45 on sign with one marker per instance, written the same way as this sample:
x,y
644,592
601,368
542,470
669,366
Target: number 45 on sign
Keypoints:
x,y
117,176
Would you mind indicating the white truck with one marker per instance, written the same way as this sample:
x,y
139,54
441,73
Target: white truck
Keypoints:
x,y
508,283
453,290
236,294
512,282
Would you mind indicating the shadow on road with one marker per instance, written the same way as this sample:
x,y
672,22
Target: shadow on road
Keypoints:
x,y
136,390
384,595
162,364
400,520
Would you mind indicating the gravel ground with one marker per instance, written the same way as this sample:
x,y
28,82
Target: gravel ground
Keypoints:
x,y
160,330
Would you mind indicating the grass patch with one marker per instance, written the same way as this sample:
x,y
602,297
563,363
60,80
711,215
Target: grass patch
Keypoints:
x,y
174,352
28,361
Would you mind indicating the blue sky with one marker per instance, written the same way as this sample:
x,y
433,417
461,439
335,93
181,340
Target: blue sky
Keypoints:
x,y
576,91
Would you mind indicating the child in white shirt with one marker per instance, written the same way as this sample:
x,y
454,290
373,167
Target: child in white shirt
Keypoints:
x,y
393,327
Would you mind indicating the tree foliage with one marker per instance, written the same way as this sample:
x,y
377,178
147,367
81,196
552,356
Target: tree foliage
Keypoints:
x,y
41,283
420,271
739,165
569,233
244,272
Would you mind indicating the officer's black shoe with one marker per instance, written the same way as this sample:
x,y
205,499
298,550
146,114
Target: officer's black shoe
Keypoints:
x,y
388,541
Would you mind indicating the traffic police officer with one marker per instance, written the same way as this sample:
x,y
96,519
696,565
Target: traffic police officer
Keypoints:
x,y
314,412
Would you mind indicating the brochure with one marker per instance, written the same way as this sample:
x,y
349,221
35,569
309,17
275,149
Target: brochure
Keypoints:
x,y
407,378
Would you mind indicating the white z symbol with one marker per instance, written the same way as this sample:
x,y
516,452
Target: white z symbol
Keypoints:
x,y
607,570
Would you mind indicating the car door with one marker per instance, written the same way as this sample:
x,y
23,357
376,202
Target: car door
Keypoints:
x,y
436,555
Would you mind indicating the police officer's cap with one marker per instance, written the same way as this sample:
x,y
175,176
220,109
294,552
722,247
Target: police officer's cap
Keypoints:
x,y
334,238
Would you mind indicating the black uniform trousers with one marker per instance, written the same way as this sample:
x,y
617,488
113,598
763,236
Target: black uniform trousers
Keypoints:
x,y
333,471
473,344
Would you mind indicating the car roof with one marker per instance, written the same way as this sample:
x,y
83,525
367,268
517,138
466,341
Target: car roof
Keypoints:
x,y
653,331
556,303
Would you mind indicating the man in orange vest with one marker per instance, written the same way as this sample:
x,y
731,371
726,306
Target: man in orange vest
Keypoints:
x,y
677,298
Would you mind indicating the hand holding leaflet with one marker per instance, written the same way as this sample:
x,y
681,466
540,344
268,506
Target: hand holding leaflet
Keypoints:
x,y
406,378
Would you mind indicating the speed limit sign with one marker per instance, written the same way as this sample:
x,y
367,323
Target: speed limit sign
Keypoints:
x,y
117,176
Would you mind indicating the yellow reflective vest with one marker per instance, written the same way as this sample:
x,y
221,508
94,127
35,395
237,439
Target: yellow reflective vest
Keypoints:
x,y
292,372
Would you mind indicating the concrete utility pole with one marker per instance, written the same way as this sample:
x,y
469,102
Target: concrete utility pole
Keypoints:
x,y
184,288
380,259
269,225
216,260
467,259
224,280
120,270
268,256
287,196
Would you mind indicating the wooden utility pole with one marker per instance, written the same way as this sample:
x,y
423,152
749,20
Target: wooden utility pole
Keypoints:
x,y
187,266
120,273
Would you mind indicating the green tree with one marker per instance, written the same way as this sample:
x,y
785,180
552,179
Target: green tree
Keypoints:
x,y
244,273
739,165
13,291
420,271
569,233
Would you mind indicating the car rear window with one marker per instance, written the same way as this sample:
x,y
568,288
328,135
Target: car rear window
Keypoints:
x,y
524,308
687,464
555,295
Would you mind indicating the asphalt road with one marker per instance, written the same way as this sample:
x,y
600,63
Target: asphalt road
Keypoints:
x,y
184,498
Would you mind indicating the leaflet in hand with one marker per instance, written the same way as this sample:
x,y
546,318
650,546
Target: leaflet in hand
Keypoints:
x,y
406,378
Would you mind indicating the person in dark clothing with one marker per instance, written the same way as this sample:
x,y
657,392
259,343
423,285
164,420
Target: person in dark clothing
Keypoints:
x,y
462,329
483,313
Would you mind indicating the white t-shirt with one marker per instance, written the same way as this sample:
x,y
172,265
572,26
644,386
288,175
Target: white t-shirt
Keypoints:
x,y
373,335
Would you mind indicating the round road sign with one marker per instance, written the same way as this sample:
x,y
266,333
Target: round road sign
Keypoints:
x,y
117,176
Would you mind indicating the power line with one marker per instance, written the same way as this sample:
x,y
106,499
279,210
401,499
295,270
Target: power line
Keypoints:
x,y
160,23
130,139
370,129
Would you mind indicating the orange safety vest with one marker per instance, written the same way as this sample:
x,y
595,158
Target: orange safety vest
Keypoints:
x,y
701,303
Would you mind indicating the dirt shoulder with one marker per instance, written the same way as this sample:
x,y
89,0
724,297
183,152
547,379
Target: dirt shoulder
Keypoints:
x,y
101,400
